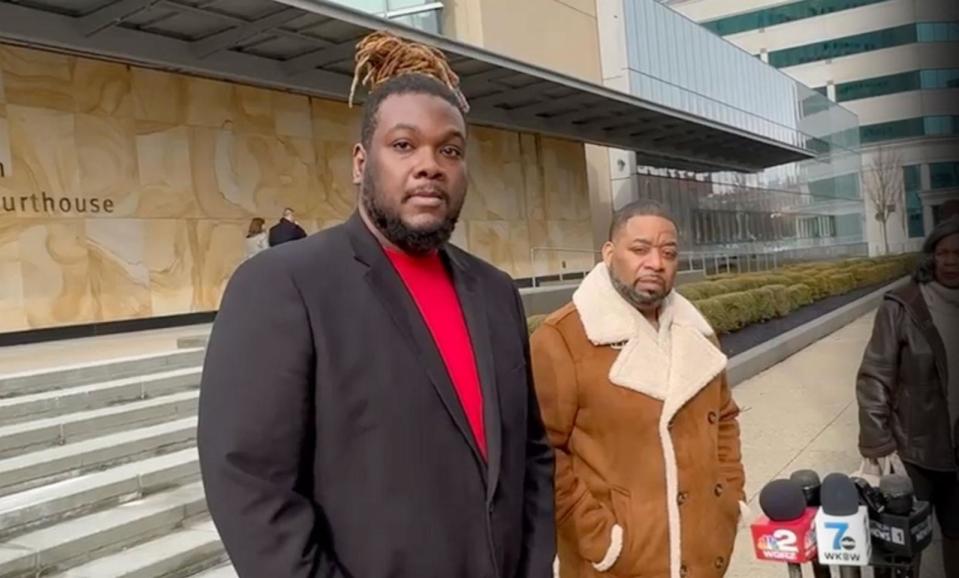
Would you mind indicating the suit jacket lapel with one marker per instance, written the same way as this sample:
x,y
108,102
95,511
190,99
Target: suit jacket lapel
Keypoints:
x,y
392,293
477,321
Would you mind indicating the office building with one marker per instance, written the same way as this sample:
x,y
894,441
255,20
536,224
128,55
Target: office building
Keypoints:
x,y
894,63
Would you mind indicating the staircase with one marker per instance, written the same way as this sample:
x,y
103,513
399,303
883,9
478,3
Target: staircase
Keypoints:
x,y
99,476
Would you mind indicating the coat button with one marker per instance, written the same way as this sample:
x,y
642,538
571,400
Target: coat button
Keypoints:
x,y
683,571
713,417
682,497
718,490
720,563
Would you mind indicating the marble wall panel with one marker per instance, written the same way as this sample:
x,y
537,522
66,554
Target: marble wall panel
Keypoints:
x,y
3,93
291,115
6,158
44,151
119,278
506,244
254,110
496,180
568,244
188,161
159,96
12,312
107,155
103,88
210,103
165,171
168,256
54,265
564,180
219,249
38,79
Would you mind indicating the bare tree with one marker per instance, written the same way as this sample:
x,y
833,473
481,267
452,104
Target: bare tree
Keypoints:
x,y
883,183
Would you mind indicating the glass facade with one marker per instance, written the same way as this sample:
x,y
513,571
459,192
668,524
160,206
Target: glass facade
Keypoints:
x,y
909,128
816,203
893,83
912,185
866,42
774,15
944,175
423,14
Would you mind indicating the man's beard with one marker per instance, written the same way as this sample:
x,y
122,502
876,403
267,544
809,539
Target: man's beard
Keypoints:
x,y
643,300
391,225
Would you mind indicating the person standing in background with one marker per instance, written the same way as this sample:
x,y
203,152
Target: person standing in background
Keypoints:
x,y
256,240
632,387
286,229
908,384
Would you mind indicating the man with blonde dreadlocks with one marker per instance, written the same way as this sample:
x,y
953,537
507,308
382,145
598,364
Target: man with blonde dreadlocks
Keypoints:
x,y
369,413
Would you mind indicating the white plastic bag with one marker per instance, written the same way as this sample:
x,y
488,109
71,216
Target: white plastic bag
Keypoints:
x,y
871,469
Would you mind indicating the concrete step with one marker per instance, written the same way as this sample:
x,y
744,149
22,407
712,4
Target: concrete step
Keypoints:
x,y
97,395
195,547
77,541
226,571
53,464
45,504
19,438
36,381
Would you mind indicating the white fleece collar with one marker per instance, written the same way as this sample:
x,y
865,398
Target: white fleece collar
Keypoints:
x,y
671,365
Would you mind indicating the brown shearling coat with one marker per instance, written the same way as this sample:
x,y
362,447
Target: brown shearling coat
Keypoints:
x,y
646,438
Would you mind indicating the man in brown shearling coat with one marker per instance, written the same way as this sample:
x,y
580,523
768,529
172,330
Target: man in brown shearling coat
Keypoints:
x,y
633,392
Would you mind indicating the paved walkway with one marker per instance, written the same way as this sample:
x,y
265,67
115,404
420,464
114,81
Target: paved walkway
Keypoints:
x,y
802,414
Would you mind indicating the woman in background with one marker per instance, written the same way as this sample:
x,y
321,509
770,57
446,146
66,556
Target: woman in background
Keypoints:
x,y
908,384
256,240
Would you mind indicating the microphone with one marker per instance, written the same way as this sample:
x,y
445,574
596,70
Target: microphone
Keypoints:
x,y
842,526
785,532
809,481
901,526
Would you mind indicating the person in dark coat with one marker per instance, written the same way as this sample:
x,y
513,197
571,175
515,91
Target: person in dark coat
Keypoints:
x,y
908,384
380,420
286,229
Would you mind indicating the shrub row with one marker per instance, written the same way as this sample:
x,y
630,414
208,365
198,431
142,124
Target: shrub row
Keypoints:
x,y
731,302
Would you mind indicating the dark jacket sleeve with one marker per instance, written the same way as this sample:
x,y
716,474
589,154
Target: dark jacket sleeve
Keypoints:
x,y
254,424
876,383
298,233
539,526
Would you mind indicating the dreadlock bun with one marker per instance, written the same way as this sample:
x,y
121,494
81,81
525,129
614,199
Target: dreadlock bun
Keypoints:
x,y
382,56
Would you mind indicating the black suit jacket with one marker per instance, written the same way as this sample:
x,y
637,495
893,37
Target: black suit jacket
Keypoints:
x,y
284,232
332,442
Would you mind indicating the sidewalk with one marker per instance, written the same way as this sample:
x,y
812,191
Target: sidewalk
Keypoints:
x,y
801,414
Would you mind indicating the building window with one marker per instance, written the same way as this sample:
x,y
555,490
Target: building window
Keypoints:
x,y
841,187
909,128
781,14
912,185
877,86
894,83
866,42
944,175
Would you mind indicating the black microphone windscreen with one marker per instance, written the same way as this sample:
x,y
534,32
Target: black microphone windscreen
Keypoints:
x,y
782,500
839,495
809,481
898,492
895,485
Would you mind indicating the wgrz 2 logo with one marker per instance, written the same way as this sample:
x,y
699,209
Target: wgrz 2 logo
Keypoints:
x,y
841,544
780,545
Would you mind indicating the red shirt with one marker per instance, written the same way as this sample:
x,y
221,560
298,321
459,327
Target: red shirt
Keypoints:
x,y
435,296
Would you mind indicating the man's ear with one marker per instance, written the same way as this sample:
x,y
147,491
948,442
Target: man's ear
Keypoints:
x,y
359,163
607,251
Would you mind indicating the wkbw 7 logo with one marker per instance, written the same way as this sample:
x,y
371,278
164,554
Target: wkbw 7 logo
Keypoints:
x,y
841,547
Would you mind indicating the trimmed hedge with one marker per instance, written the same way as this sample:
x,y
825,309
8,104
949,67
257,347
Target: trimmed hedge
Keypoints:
x,y
730,302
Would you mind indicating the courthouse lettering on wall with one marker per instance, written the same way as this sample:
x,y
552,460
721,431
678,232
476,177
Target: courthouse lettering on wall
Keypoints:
x,y
52,205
